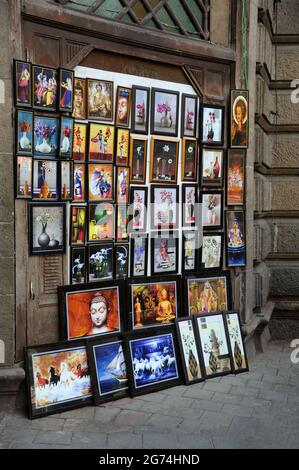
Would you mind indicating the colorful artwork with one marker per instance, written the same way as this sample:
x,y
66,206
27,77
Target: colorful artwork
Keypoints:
x,y
212,125
122,223
212,167
236,177
164,160
66,82
47,228
78,265
190,208
99,100
45,182
208,294
189,159
165,112
212,210
211,253
122,184
164,255
100,221
66,181
80,99
236,247
140,110
100,182
45,88
164,207
24,132
79,141
123,106
79,182
46,132
138,157
66,137
101,143
78,225
122,146
138,208
23,89
100,262
190,356
24,177
121,261
239,118
111,369
189,115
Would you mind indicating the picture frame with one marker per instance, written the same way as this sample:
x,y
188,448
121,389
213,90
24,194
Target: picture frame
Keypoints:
x,y
79,186
45,82
122,146
163,343
189,159
66,180
80,142
100,260
212,118
24,132
109,376
78,265
78,217
189,115
101,143
212,167
45,396
239,119
164,112
80,98
153,302
45,180
164,160
190,210
138,207
207,292
122,184
164,207
211,252
190,251
100,99
100,182
138,254
138,159
164,252
23,177
45,136
100,222
236,342
66,90
123,106
140,109
190,356
121,257
236,178
235,238
23,83
81,304
212,209
122,221
66,137
47,220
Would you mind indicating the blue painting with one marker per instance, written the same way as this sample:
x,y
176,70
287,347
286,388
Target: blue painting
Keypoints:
x,y
25,132
110,368
45,136
154,360
66,137
236,247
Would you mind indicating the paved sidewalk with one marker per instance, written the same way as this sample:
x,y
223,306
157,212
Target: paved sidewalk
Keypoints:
x,y
258,409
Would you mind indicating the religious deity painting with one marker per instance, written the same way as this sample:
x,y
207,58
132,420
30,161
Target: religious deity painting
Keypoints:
x,y
212,167
239,118
208,294
99,100
66,84
79,141
101,143
236,246
23,83
236,177
212,125
100,182
45,88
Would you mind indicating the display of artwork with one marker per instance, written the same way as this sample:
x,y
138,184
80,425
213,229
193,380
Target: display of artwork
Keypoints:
x,y
236,177
140,109
66,137
138,201
189,159
100,262
190,250
138,157
78,265
79,141
66,90
24,178
101,143
66,181
164,112
212,209
238,352
100,222
46,136
80,99
164,253
189,115
121,261
47,231
122,146
23,83
100,182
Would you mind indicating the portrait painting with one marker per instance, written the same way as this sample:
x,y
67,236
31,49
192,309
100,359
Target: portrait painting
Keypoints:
x,y
100,222
189,159
189,352
23,83
138,158
189,115
122,220
164,200
122,184
212,125
24,132
100,182
66,181
190,247
212,170
235,238
58,378
24,177
77,225
138,208
101,143
100,262
47,228
45,88
46,136
164,160
208,294
79,182
212,209
79,141
80,98
164,112
190,205
164,253
138,254
66,90
45,180
123,106
239,118
236,177
100,100
140,109
77,265
236,341
121,261
211,251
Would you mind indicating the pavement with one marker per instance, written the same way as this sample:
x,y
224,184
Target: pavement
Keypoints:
x,y
257,409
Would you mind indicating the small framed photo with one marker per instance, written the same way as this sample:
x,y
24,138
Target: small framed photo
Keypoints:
x,y
157,350
164,253
236,177
153,302
66,136
100,182
100,100
66,90
46,137
235,239
189,159
190,355
190,205
213,341
121,260
164,112
212,209
140,110
100,262
212,169
211,253
109,376
236,342
91,309
212,118
138,159
189,115
138,254
66,181
24,132
208,293
100,222
80,98
57,378
45,180
122,146
77,225
79,142
44,88
78,265
23,83
122,184
164,207
164,160
190,254
138,201
24,177
101,143
123,106
79,190
239,119
47,228
122,220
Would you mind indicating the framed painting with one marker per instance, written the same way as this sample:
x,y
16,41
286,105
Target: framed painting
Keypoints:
x,y
235,239
80,98
122,146
140,110
23,83
189,115
122,184
79,190
212,119
239,132
121,257
236,342
100,182
44,88
100,262
190,251
212,209
24,132
191,359
236,177
138,159
122,220
66,181
101,143
138,208
47,228
190,205
211,253
58,378
100,222
88,310
189,159
164,252
46,136
45,180
164,160
80,141
123,106
66,137
164,207
78,265
212,167
100,99
77,225
138,254
164,112
66,90
24,177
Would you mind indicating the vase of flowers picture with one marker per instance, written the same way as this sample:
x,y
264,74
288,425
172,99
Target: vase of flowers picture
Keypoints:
x,y
44,133
210,126
65,144
166,118
44,239
190,120
140,113
24,142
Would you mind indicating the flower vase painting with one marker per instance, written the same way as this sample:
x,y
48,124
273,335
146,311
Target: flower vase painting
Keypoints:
x,y
47,228
165,112
78,265
189,115
45,136
240,362
24,132
100,262
45,182
164,160
190,356
212,167
24,177
66,137
140,109
212,125
66,175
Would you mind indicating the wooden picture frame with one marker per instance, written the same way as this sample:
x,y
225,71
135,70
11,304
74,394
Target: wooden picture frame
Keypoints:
x,y
239,118
99,104
164,252
190,356
138,159
45,83
138,255
52,217
123,106
189,115
236,342
164,160
140,109
22,83
77,265
189,159
66,90
24,132
165,119
235,238
212,132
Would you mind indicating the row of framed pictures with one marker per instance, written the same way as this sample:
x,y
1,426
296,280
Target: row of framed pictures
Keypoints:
x,y
71,374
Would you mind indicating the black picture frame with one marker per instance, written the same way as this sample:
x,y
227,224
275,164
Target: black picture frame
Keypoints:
x,y
66,196
185,235
241,100
74,239
24,103
26,191
236,157
118,120
134,272
107,207
103,269
167,225
187,349
62,90
239,361
163,131
46,147
187,209
134,212
165,172
36,71
27,130
236,253
207,141
184,130
135,178
67,154
202,265
135,127
164,255
77,271
211,206
216,182
121,254
189,170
